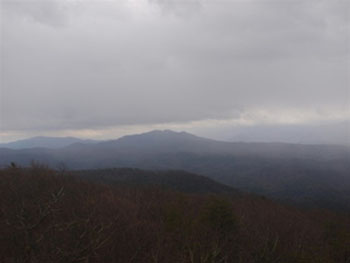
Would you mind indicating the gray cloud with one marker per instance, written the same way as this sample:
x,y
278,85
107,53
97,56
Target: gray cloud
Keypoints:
x,y
183,9
48,12
88,64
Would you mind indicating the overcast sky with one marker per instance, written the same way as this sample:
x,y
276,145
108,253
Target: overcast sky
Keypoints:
x,y
101,69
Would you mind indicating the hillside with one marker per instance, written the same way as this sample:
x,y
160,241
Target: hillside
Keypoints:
x,y
48,216
175,180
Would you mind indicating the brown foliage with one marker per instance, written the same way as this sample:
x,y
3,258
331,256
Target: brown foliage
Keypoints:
x,y
47,216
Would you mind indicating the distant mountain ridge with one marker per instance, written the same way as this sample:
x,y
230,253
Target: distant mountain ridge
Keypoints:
x,y
45,142
298,173
82,154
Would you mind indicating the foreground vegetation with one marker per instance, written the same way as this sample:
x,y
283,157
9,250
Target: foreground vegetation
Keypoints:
x,y
47,216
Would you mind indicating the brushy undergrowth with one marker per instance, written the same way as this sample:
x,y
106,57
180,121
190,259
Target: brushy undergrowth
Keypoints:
x,y
46,216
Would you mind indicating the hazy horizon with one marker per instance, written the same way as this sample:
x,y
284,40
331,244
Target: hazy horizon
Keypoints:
x,y
324,134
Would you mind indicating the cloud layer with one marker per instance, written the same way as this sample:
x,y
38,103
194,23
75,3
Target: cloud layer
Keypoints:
x,y
75,64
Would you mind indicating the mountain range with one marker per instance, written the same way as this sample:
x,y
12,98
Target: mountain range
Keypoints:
x,y
303,174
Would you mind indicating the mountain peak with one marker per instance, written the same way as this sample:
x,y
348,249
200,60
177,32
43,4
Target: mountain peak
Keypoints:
x,y
166,132
160,139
